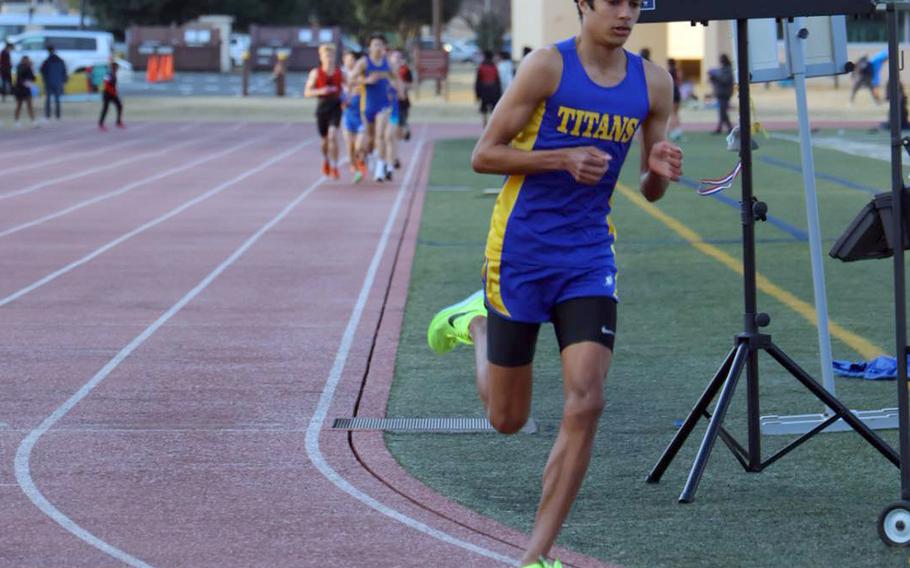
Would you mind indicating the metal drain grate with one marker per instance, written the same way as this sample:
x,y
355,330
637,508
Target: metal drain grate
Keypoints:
x,y
451,425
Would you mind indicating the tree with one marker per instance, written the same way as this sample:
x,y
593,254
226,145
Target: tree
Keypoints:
x,y
405,17
489,25
120,14
360,17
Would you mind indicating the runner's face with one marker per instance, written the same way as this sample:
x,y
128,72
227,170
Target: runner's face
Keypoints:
x,y
610,22
349,60
327,58
377,49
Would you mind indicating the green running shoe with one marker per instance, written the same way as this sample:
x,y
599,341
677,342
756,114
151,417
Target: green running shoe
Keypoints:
x,y
450,326
542,563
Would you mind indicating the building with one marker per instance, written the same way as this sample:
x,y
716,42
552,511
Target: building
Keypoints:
x,y
697,48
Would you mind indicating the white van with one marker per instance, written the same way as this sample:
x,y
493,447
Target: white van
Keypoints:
x,y
78,49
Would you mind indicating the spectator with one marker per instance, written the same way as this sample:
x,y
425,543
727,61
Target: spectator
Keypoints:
x,y
645,53
878,63
862,78
905,114
6,71
506,69
25,80
487,86
53,72
110,95
722,82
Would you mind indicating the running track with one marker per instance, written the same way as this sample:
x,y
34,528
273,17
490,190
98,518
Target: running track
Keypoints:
x,y
184,309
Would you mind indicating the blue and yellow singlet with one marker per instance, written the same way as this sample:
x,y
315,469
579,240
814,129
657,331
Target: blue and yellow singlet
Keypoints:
x,y
551,220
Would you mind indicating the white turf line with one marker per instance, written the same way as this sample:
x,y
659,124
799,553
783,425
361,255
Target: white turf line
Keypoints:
x,y
23,453
90,171
66,156
146,226
328,394
78,137
139,183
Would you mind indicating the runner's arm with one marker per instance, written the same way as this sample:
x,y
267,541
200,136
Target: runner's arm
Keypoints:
x,y
538,78
661,161
310,90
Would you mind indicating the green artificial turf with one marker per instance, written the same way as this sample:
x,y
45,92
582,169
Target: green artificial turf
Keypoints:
x,y
679,313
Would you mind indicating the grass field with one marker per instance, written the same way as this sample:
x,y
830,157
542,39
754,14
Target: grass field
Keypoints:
x,y
681,307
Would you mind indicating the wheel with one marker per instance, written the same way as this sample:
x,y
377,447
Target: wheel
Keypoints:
x,y
894,524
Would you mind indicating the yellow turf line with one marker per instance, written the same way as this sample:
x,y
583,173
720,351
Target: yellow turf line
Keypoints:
x,y
861,345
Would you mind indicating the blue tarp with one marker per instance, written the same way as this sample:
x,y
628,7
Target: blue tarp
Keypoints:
x,y
880,368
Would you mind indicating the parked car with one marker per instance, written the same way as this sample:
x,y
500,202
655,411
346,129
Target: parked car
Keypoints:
x,y
460,51
78,50
464,51
351,44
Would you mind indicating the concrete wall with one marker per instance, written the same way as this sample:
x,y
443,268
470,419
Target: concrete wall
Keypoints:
x,y
225,25
651,36
536,23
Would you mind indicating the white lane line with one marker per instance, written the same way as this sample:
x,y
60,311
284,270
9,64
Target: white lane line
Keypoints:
x,y
67,156
79,137
328,394
23,453
129,187
95,170
142,228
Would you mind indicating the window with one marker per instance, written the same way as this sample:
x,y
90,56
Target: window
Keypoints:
x,y
197,37
73,43
33,44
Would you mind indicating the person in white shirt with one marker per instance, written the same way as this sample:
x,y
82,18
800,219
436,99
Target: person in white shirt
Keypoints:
x,y
506,69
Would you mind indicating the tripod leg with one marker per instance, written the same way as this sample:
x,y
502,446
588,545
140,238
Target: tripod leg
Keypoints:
x,y
833,403
700,409
707,444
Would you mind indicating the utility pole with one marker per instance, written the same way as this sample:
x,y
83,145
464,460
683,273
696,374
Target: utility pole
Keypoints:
x,y
437,24
437,35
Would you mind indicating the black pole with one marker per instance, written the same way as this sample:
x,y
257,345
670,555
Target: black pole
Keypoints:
x,y
750,292
81,14
900,296
437,36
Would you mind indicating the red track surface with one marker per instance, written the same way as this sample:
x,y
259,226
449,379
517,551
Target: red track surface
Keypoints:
x,y
165,340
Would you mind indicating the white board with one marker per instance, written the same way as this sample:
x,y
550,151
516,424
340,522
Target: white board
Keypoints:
x,y
825,49
765,61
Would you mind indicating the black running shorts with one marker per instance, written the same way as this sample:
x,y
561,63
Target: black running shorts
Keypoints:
x,y
328,114
512,344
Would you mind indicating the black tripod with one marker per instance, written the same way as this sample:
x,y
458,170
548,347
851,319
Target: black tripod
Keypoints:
x,y
744,355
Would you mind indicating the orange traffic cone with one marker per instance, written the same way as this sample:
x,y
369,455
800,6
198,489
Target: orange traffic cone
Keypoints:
x,y
166,68
152,73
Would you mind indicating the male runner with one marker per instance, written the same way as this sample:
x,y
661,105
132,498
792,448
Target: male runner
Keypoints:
x,y
561,134
326,82
377,75
352,121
